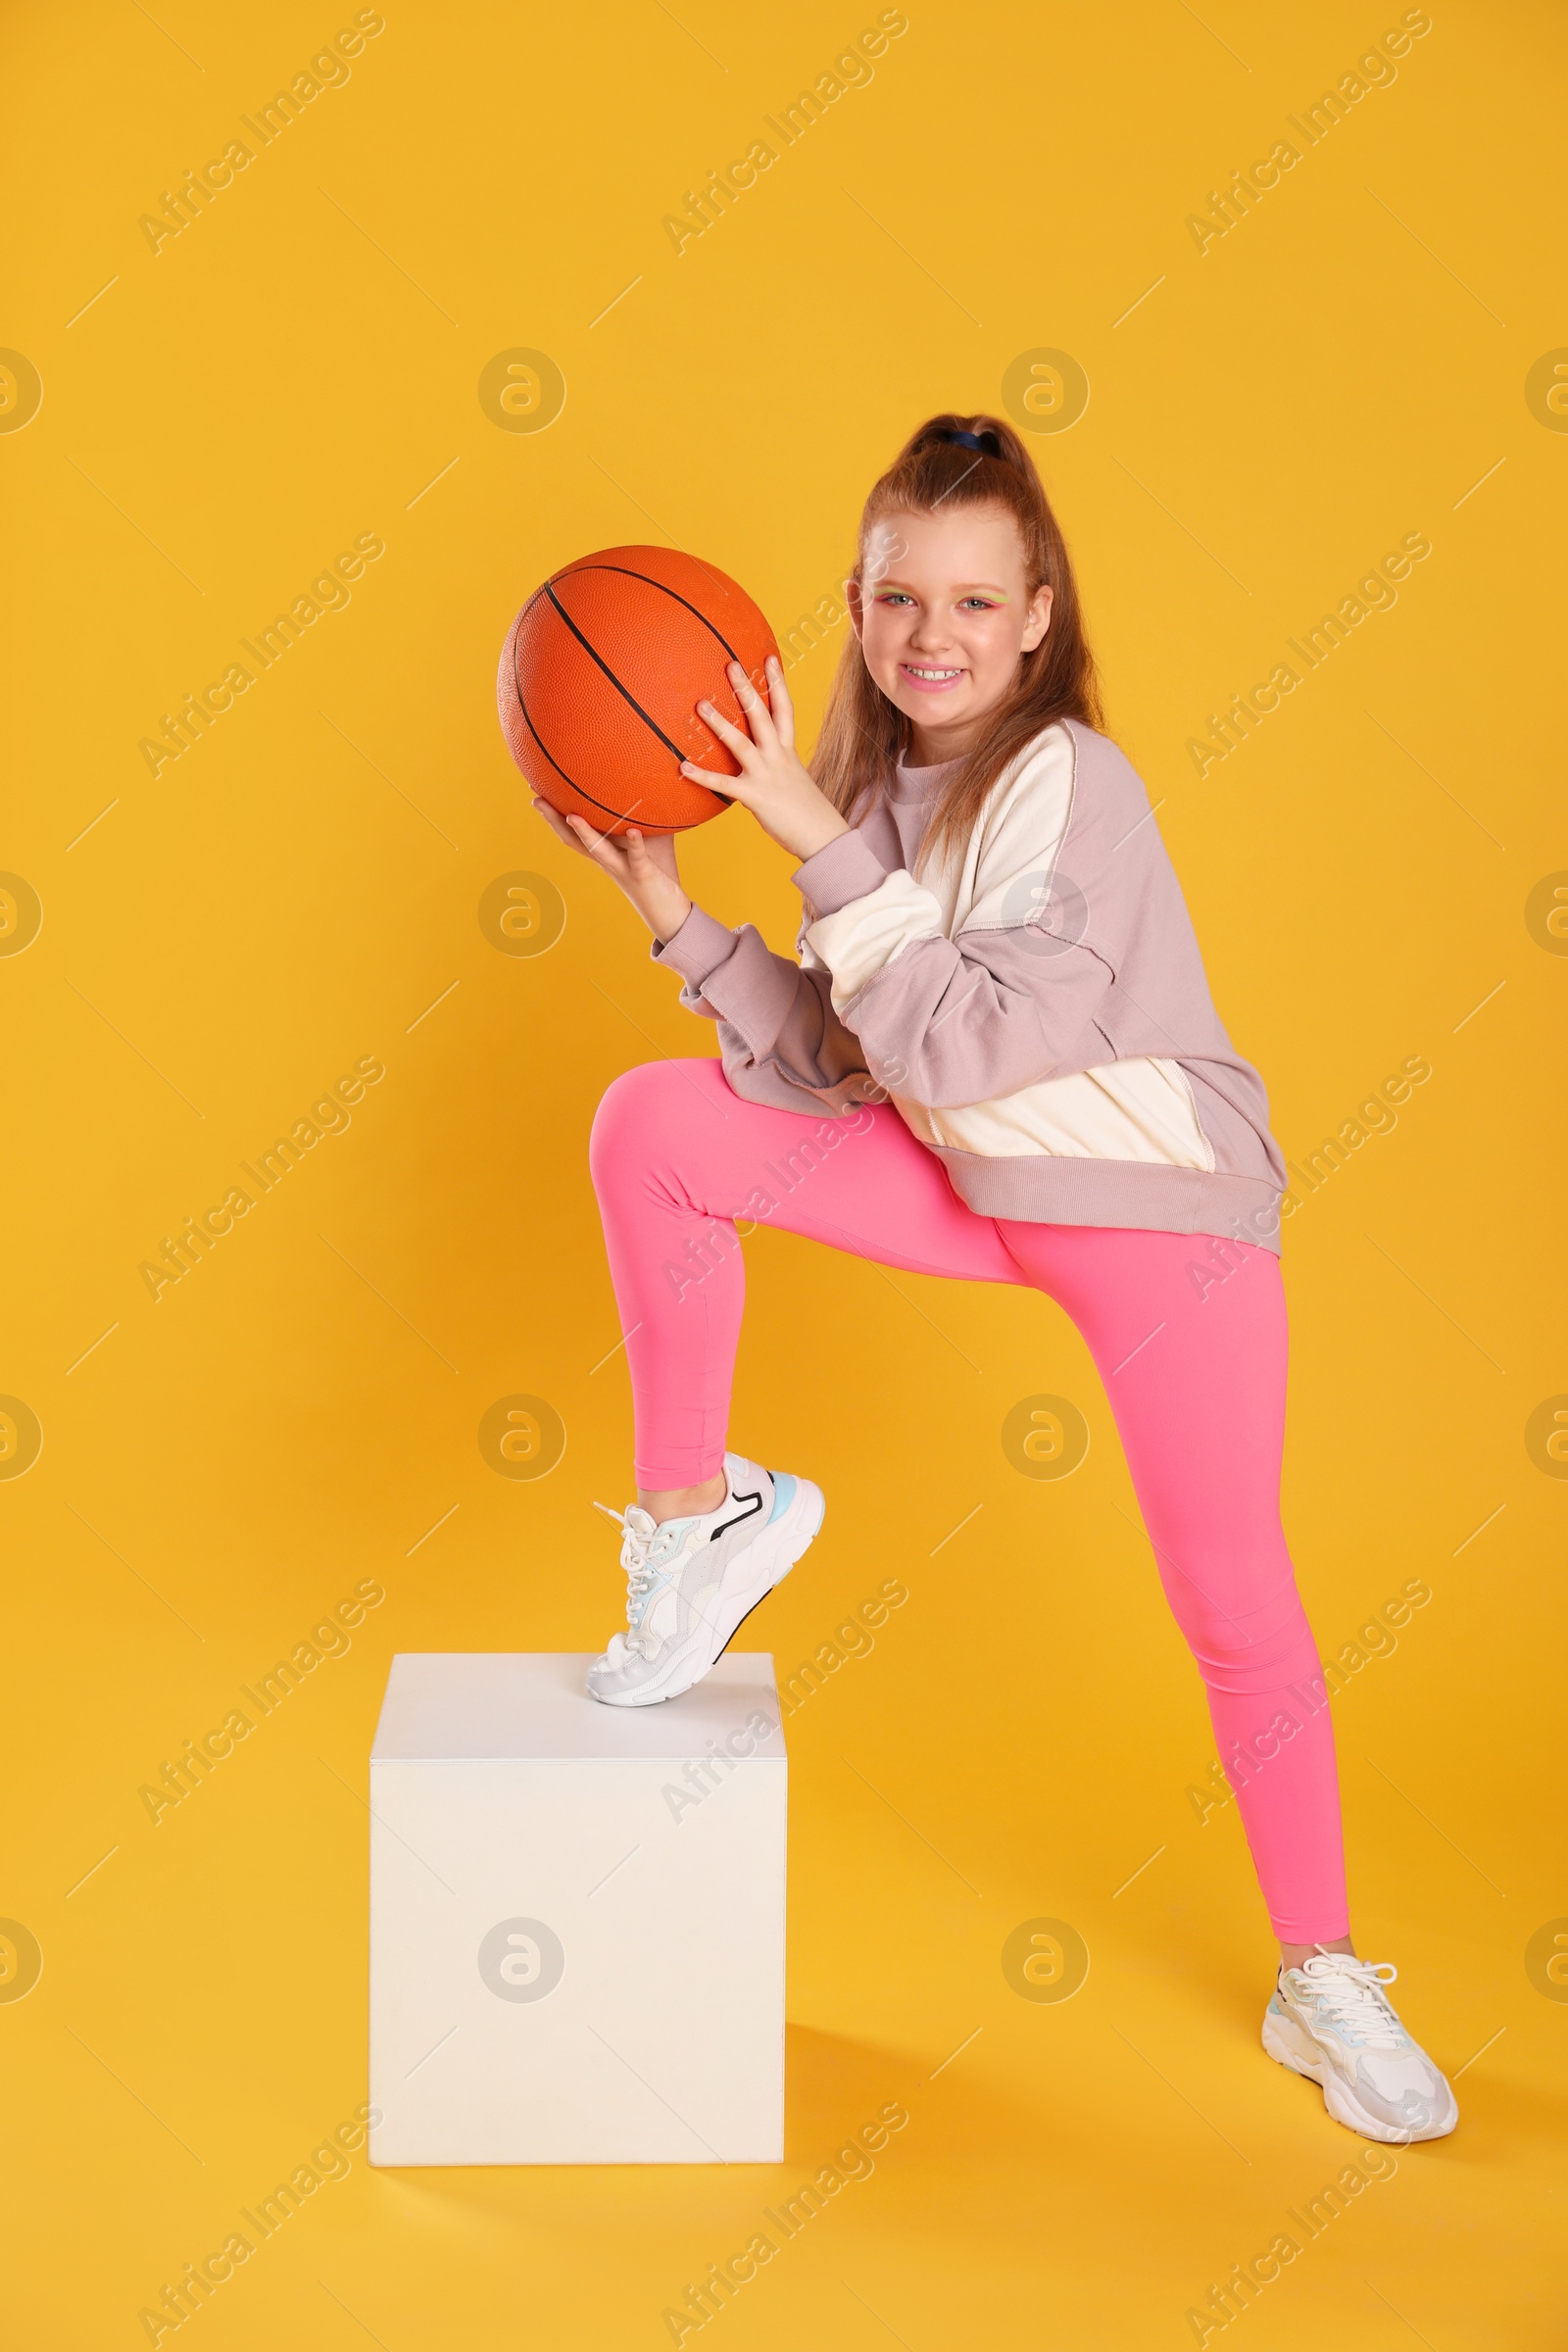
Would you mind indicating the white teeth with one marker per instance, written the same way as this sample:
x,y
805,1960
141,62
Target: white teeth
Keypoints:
x,y
932,674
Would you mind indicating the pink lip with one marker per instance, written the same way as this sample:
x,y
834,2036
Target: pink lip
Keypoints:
x,y
931,685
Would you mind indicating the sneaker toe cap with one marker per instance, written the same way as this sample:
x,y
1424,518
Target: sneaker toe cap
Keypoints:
x,y
1407,2094
610,1676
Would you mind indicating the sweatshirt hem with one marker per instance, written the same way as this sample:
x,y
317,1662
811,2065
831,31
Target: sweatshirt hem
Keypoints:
x,y
1041,1190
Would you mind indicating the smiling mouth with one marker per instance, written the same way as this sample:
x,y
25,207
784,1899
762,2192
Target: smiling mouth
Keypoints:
x,y
918,675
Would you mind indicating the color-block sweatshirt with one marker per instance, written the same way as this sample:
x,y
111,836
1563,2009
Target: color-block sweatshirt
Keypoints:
x,y
1035,1004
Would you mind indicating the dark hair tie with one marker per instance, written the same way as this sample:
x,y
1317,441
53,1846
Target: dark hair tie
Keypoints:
x,y
986,444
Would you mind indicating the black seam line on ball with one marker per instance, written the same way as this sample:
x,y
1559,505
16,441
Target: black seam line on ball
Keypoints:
x,y
626,573
619,815
610,675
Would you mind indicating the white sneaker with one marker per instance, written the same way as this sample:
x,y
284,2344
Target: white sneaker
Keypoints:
x,y
1331,2021
691,1582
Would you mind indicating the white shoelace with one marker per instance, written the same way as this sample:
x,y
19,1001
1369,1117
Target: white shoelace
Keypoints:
x,y
1349,1993
642,1553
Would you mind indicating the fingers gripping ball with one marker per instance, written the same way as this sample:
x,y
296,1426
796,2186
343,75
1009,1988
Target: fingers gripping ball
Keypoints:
x,y
600,678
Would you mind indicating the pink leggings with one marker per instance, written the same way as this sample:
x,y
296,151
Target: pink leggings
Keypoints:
x,y
1193,1369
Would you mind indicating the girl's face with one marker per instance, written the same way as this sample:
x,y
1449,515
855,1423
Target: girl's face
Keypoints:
x,y
942,615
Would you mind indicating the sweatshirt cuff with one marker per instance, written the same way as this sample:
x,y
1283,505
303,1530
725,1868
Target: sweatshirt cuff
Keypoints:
x,y
847,868
698,947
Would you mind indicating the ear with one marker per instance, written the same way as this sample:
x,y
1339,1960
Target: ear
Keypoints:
x,y
854,598
1039,620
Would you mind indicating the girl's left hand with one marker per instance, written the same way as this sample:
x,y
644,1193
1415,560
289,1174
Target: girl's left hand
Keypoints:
x,y
773,783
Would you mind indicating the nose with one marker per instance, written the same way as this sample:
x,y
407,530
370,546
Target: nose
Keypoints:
x,y
929,635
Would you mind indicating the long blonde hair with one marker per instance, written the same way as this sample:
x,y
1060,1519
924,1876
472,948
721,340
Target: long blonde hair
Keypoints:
x,y
863,734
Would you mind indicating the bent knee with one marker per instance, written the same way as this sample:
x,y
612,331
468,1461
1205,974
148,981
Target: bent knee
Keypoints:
x,y
649,1105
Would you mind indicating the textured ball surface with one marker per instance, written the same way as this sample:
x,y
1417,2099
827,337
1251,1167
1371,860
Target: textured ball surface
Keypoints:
x,y
600,679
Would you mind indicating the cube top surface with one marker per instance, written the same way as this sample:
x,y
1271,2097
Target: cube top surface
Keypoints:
x,y
452,1706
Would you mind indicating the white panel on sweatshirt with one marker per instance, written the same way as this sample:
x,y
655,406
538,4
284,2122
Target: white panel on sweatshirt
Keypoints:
x,y
856,943
1021,832
1139,1109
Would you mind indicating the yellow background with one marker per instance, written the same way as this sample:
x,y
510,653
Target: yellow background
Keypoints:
x,y
294,892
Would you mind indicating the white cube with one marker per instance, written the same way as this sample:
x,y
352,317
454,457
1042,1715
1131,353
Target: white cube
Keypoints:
x,y
576,1917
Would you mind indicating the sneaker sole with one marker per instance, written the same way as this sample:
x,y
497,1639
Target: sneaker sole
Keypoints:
x,y
1294,2049
774,1553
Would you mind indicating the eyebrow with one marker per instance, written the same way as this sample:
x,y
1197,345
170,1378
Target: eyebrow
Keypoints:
x,y
960,588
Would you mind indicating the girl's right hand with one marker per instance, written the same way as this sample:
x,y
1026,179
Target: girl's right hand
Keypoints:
x,y
643,867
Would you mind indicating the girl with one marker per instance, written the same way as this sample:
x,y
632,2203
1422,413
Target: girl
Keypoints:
x,y
997,1060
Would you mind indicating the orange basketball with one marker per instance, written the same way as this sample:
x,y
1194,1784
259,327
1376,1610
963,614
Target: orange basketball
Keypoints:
x,y
600,679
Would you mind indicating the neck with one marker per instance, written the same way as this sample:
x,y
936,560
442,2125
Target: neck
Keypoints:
x,y
931,747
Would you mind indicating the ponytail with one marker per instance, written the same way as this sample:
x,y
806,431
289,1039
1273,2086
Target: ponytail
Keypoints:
x,y
952,462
